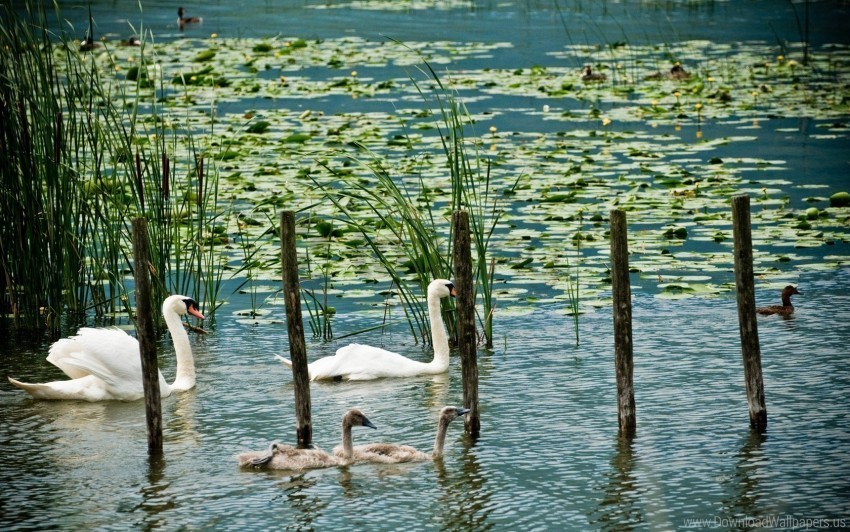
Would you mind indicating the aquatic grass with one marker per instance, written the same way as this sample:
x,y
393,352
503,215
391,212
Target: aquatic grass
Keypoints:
x,y
43,235
573,277
471,187
77,166
409,229
318,310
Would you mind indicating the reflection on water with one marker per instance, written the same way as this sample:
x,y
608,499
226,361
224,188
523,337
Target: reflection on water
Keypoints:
x,y
465,497
743,484
548,457
619,509
156,498
296,495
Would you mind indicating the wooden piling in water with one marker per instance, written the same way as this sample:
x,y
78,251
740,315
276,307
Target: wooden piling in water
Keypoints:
x,y
295,329
146,336
466,332
745,286
621,293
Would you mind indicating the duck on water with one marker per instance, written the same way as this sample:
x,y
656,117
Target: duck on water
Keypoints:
x,y
786,308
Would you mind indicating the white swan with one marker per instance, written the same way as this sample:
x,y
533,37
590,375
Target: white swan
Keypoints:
x,y
392,453
287,457
356,362
104,364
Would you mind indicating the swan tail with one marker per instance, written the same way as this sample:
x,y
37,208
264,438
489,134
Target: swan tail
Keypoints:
x,y
38,391
284,360
254,459
86,389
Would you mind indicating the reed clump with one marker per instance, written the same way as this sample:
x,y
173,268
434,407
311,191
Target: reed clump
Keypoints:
x,y
401,223
77,163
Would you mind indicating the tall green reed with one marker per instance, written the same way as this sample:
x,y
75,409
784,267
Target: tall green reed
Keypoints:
x,y
573,278
393,225
82,154
471,187
398,222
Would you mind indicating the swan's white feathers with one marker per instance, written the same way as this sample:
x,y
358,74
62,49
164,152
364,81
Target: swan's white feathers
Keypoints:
x,y
88,388
356,362
365,362
104,364
100,347
98,352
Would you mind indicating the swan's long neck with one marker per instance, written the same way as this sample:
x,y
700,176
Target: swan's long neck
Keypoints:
x,y
185,379
439,338
440,440
347,443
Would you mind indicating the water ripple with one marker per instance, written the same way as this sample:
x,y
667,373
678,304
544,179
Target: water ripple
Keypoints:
x,y
549,456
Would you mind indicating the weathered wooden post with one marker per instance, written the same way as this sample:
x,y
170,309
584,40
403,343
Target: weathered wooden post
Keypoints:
x,y
146,336
295,328
621,292
745,285
466,332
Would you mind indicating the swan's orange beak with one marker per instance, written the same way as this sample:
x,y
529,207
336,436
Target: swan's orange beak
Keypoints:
x,y
194,312
453,293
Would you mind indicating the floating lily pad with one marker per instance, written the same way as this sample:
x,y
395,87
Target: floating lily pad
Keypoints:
x,y
840,199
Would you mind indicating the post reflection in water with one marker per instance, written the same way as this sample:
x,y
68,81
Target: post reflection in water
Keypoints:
x,y
302,507
743,484
465,494
156,499
619,509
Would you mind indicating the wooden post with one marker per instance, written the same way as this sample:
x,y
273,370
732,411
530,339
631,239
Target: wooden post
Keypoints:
x,y
295,328
146,335
466,332
621,293
745,285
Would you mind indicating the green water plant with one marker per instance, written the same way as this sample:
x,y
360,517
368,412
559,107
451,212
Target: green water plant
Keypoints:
x,y
405,229
79,161
399,226
472,189
574,277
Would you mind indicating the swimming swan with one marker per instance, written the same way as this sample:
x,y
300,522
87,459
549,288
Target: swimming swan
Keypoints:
x,y
391,453
356,362
287,457
104,364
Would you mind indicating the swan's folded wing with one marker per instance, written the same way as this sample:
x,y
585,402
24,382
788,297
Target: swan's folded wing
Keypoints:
x,y
365,362
110,354
388,453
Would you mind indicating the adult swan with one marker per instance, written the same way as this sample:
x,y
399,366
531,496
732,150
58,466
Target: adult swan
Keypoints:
x,y
104,364
356,362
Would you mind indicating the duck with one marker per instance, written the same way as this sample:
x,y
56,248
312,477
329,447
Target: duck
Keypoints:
x,y
286,457
392,453
88,44
131,41
182,21
677,71
105,364
786,308
588,75
357,362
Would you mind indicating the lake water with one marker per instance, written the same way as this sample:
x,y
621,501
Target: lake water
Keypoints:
x,y
549,456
